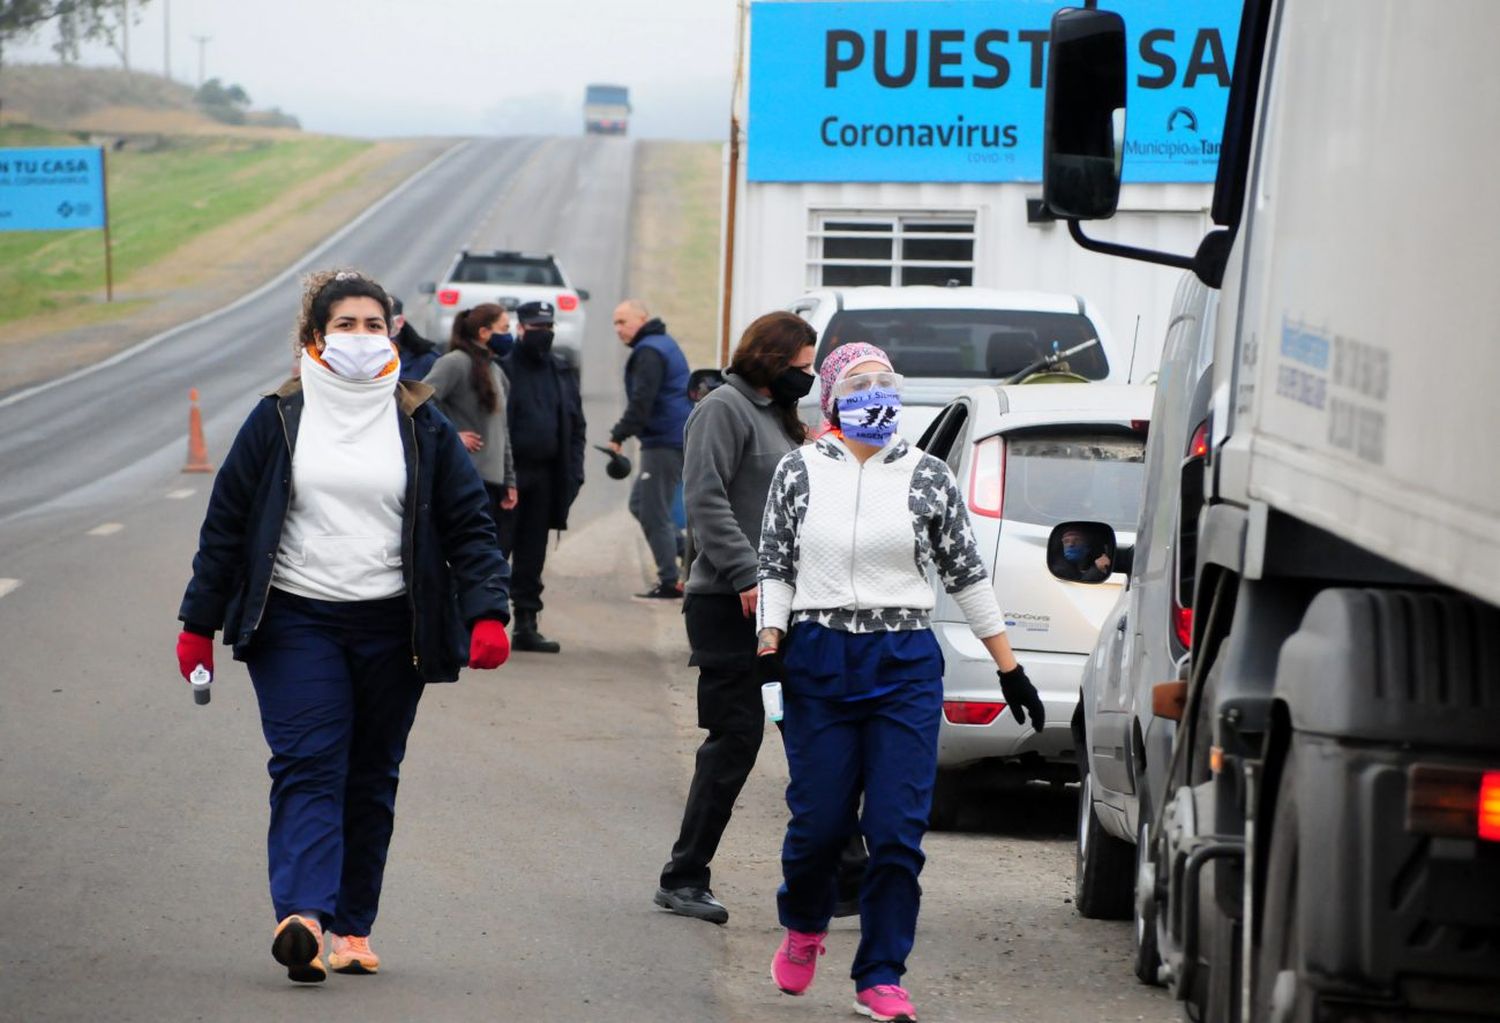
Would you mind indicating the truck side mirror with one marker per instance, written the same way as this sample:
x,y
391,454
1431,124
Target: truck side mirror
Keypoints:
x,y
1083,144
1087,542
427,288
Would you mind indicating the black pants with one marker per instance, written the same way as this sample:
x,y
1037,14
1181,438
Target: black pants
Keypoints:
x,y
523,535
729,709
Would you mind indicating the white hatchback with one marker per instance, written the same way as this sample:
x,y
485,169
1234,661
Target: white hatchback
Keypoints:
x,y
1031,458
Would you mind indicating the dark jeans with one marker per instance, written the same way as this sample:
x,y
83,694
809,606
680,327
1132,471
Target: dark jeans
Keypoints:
x,y
523,536
651,503
729,708
887,746
338,695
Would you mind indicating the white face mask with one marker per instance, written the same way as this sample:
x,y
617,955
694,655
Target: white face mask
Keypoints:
x,y
357,356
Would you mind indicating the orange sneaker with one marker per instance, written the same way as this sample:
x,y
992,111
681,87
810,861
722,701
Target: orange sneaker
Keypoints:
x,y
352,954
298,945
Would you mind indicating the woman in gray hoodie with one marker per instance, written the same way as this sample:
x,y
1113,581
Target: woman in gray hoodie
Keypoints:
x,y
734,439
472,392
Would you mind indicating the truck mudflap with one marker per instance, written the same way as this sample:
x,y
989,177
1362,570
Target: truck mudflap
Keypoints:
x,y
1392,902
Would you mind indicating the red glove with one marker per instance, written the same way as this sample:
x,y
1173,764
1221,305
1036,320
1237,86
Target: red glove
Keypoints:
x,y
193,650
489,646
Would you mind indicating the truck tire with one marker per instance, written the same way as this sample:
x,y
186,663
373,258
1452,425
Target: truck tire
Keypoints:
x,y
1104,866
1277,990
1147,960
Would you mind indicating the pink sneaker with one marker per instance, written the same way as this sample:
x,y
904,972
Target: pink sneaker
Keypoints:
x,y
796,961
885,1002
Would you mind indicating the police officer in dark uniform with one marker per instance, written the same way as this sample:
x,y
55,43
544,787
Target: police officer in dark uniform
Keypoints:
x,y
547,434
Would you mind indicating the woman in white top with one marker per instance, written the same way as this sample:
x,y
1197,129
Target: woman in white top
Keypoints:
x,y
349,555
851,525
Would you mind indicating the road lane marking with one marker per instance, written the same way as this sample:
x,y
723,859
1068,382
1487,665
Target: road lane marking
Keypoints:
x,y
181,495
106,529
8,586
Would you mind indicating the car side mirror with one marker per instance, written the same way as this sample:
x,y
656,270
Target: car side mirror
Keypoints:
x,y
1083,142
701,381
583,294
427,288
1084,552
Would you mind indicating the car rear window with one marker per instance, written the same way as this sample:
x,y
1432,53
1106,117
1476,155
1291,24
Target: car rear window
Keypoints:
x,y
985,344
1054,476
508,269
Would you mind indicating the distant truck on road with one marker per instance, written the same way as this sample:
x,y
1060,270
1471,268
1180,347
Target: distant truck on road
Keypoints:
x,y
606,110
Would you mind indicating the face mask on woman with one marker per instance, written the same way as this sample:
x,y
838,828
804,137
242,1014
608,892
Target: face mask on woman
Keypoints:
x,y
501,344
869,407
357,356
791,386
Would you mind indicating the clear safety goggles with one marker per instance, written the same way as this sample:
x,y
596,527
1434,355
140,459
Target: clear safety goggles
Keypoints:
x,y
858,383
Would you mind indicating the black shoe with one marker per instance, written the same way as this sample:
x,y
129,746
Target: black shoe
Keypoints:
x,y
698,903
660,592
847,907
526,637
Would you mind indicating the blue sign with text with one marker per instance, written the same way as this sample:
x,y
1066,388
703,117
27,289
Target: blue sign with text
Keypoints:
x,y
51,189
952,90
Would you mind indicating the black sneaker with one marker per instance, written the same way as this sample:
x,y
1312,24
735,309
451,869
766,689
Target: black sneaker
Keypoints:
x,y
661,591
698,903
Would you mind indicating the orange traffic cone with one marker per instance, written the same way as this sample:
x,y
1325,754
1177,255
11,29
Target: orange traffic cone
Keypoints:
x,y
197,460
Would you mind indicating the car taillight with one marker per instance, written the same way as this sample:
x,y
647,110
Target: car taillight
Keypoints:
x,y
987,478
971,712
1182,624
567,303
448,296
1198,446
1453,802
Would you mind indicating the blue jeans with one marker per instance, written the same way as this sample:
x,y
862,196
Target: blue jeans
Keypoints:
x,y
886,747
338,695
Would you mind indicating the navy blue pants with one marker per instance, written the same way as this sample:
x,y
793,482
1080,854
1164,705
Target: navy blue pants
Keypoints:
x,y
840,743
338,694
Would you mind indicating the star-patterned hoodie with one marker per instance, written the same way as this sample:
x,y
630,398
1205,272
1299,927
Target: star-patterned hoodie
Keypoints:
x,y
847,545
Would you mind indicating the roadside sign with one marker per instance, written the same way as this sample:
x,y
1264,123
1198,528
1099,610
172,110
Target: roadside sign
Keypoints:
x,y
54,189
60,188
952,90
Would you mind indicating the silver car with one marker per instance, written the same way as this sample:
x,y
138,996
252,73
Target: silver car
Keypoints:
x,y
1146,637
507,279
1030,458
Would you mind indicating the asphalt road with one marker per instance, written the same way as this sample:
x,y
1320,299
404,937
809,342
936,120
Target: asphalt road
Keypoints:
x,y
538,802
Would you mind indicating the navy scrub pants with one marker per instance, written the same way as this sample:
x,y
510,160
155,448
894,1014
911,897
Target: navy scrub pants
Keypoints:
x,y
338,694
839,743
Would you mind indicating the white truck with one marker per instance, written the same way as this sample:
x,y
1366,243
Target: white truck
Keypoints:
x,y
606,110
1329,844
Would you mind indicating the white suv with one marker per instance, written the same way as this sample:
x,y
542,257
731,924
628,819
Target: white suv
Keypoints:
x,y
943,340
1030,459
508,279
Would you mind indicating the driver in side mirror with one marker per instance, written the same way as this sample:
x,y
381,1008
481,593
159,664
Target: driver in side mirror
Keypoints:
x,y
1082,552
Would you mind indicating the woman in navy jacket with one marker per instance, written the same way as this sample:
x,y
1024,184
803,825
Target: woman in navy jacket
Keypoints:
x,y
350,558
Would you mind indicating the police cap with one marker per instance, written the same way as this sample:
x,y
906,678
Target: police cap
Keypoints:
x,y
532,313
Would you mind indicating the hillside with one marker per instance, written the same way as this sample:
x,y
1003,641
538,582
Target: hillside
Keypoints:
x,y
111,101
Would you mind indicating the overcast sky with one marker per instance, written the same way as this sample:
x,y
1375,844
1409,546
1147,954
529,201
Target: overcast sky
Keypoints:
x,y
402,67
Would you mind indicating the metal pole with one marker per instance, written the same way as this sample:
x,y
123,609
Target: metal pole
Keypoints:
x,y
109,259
202,42
166,39
125,33
731,202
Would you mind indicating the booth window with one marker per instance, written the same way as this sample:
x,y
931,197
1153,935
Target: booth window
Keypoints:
x,y
847,248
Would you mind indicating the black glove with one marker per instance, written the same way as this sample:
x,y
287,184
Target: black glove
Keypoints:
x,y
1021,695
769,667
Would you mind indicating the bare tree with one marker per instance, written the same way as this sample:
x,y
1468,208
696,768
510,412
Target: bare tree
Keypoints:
x,y
76,21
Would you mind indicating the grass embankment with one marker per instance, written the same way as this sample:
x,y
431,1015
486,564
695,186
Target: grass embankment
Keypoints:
x,y
674,264
159,200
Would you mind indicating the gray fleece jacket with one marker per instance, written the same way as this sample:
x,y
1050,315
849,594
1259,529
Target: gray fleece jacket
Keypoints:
x,y
453,388
732,445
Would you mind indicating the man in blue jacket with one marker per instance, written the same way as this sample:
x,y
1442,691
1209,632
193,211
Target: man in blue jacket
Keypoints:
x,y
656,385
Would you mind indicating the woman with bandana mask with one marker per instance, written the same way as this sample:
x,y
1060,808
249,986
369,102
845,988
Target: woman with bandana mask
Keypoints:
x,y
472,392
852,524
349,555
